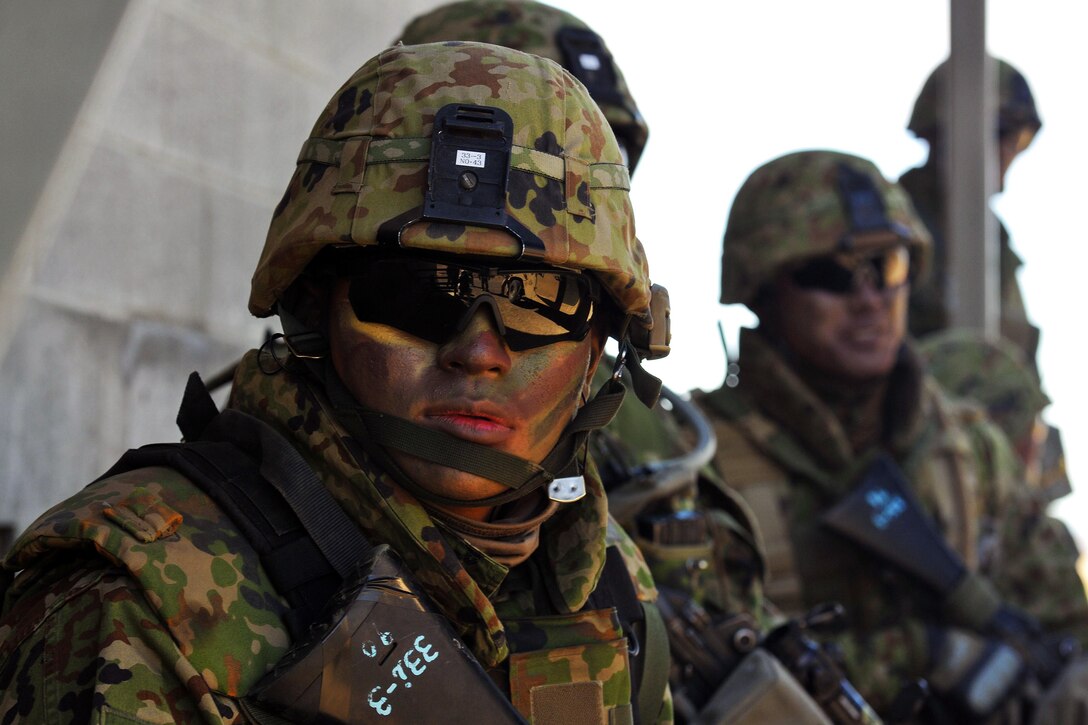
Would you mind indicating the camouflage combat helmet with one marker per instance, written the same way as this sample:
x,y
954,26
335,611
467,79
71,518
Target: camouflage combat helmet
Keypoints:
x,y
812,203
1015,104
991,372
546,184
551,33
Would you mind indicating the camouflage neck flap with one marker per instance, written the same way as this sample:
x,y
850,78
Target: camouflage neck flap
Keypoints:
x,y
573,538
780,393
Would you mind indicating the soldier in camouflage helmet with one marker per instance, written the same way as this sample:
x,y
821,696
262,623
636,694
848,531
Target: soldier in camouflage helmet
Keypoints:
x,y
994,373
822,248
448,258
697,535
551,33
1016,123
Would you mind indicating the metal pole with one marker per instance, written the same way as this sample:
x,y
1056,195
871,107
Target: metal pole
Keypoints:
x,y
970,170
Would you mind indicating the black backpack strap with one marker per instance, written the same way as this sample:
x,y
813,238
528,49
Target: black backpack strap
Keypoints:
x,y
197,408
647,638
305,540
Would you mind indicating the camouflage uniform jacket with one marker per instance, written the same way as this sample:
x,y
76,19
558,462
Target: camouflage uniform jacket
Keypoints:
x,y
139,601
789,456
929,310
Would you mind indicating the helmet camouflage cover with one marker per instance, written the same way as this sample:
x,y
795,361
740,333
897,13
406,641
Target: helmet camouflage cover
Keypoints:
x,y
551,33
364,171
991,372
807,204
1015,103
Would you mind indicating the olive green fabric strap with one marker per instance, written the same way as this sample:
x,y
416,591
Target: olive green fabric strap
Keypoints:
x,y
655,666
433,445
519,475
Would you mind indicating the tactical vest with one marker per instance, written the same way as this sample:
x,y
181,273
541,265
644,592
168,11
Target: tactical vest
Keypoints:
x,y
306,547
939,466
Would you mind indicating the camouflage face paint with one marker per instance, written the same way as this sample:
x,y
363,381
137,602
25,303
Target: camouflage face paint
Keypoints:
x,y
472,387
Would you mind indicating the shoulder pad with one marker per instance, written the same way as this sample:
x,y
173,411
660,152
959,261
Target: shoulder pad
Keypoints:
x,y
195,568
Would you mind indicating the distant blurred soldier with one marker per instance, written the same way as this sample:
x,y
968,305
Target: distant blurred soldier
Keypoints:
x,y
1038,546
1016,124
697,535
871,487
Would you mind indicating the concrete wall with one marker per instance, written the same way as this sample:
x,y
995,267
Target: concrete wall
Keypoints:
x,y
146,143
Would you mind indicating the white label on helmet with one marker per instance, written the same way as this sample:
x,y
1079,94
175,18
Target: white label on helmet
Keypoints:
x,y
475,159
589,61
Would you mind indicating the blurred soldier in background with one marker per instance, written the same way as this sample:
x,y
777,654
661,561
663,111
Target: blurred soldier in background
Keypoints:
x,y
696,534
871,487
994,374
1017,123
395,519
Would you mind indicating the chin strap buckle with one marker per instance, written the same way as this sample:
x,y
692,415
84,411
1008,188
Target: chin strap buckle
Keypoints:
x,y
568,489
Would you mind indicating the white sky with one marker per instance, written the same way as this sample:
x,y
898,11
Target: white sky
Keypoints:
x,y
728,86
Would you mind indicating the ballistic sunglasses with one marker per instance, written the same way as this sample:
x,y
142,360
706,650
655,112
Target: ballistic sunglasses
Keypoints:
x,y
842,274
435,299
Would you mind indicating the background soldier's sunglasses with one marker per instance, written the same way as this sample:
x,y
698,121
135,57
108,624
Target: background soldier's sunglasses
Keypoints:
x,y
434,300
842,273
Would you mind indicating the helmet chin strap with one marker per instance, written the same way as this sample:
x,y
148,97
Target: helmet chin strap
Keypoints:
x,y
380,432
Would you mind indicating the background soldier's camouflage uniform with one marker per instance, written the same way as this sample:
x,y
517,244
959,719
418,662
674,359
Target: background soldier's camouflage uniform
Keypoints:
x,y
1038,552
929,310
788,447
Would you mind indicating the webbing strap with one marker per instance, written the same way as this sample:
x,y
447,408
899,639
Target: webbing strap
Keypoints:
x,y
336,535
433,445
517,474
649,658
655,665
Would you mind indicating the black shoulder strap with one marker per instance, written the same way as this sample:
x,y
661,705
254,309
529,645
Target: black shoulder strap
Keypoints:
x,y
293,562
305,541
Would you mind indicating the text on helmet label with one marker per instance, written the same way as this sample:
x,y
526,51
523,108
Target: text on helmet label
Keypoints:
x,y
474,159
589,61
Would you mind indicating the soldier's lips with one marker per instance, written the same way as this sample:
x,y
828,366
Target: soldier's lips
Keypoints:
x,y
479,424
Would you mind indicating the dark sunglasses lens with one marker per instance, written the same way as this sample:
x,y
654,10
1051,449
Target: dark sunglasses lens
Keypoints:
x,y
398,294
888,269
429,300
824,274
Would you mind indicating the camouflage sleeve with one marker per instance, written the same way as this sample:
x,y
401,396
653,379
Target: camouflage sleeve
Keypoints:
x,y
1038,571
1032,557
88,646
881,662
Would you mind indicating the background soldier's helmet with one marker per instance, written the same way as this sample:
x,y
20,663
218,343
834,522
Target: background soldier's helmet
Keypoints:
x,y
1015,103
812,203
551,33
558,195
992,373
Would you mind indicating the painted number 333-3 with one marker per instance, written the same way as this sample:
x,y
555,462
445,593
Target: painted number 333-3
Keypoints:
x,y
412,664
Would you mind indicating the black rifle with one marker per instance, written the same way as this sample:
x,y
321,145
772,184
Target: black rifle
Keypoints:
x,y
706,650
883,516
